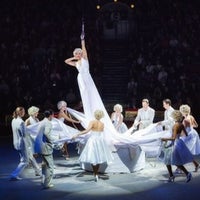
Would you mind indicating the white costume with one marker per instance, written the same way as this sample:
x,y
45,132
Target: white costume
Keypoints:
x,y
127,149
122,128
145,116
96,151
60,132
168,121
30,147
19,142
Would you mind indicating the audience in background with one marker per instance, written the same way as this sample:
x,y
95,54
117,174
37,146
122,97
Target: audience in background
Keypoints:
x,y
34,45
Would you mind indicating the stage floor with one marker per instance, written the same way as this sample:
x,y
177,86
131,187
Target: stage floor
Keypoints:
x,y
71,182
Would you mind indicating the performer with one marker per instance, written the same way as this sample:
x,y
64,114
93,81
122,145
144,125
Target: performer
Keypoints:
x,y
33,112
90,97
44,147
176,152
145,115
19,142
95,151
168,121
33,115
92,101
63,116
117,119
192,141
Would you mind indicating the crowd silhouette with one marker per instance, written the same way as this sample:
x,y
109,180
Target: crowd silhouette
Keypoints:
x,y
37,36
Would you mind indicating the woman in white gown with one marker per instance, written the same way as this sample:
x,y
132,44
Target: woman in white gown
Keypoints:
x,y
92,101
95,151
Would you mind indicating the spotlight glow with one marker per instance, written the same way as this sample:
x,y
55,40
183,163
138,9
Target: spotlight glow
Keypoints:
x,y
98,7
132,5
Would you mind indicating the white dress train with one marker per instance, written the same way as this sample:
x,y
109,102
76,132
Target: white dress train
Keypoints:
x,y
128,150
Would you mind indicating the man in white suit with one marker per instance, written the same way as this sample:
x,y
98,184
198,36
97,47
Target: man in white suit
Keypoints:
x,y
145,116
168,121
19,142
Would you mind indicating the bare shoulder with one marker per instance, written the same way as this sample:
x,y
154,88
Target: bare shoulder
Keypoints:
x,y
61,114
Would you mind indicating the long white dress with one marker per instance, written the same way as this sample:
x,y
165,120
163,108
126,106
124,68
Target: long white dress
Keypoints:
x,y
122,144
91,99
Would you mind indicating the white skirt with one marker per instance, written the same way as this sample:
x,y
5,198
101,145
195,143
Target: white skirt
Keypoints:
x,y
96,151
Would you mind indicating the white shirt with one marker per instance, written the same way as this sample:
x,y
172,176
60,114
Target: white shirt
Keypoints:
x,y
145,116
168,121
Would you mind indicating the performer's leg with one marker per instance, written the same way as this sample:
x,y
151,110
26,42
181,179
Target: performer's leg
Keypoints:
x,y
171,176
188,174
48,170
95,171
65,151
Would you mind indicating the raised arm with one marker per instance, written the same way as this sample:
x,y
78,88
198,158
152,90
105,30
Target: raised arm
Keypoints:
x,y
83,46
71,61
194,122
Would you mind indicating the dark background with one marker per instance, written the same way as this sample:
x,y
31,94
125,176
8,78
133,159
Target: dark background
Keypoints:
x,y
37,36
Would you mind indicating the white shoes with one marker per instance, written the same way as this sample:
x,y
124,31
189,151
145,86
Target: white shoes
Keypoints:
x,y
96,178
48,186
17,178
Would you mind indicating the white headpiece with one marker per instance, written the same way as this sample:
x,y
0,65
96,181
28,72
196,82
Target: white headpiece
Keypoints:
x,y
60,104
77,50
32,110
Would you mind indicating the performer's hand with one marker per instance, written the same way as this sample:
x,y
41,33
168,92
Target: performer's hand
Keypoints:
x,y
159,123
74,58
75,136
82,36
134,126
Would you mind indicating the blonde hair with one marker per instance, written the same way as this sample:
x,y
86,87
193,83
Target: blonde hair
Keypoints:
x,y
118,106
185,109
33,110
98,114
177,116
60,104
77,50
